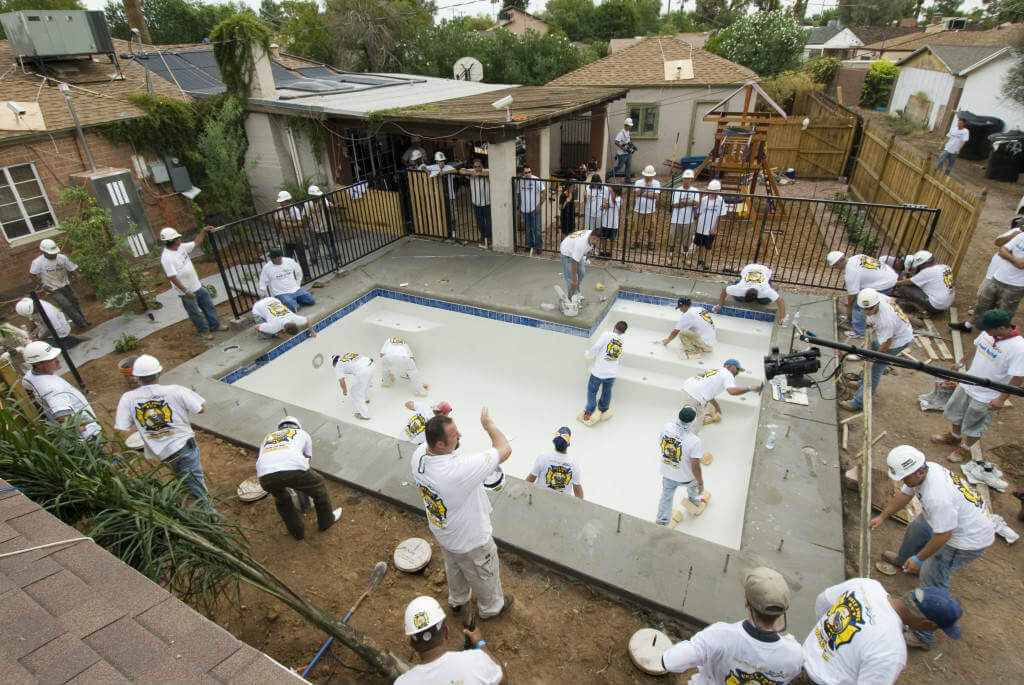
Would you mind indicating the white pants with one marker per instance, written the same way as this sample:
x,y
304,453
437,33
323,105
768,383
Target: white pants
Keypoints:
x,y
400,364
360,391
475,575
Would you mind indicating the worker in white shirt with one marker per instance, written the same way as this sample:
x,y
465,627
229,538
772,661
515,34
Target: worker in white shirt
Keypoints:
x,y
162,416
684,200
39,330
860,271
859,636
422,412
427,629
1016,228
360,368
681,453
51,271
955,141
700,391
952,530
1004,287
446,171
59,400
624,155
281,277
610,219
283,465
273,319
695,328
754,285
451,484
558,470
396,357
893,333
605,352
180,271
288,220
414,153
480,198
318,213
416,158
755,650
531,195
574,249
709,210
929,287
646,190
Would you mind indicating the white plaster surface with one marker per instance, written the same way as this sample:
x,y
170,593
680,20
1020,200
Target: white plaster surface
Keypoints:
x,y
534,381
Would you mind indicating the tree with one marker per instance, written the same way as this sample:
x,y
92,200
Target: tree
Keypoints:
x,y
799,10
520,5
37,5
1003,11
944,8
616,19
823,18
234,40
575,17
877,13
767,42
271,14
221,150
304,31
173,21
480,22
878,84
377,35
1013,84
719,13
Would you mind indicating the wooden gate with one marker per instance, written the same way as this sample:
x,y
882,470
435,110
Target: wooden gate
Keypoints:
x,y
823,148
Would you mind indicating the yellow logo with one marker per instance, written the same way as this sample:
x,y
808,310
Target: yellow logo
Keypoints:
x,y
869,263
417,424
707,374
576,234
671,451
738,677
754,277
419,620
349,356
947,277
707,317
277,309
396,341
278,438
154,416
558,477
437,512
613,350
841,623
965,490
899,312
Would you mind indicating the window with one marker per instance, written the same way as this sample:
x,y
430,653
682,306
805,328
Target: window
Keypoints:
x,y
645,120
24,209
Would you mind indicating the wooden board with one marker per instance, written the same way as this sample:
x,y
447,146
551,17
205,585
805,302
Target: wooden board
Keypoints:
x,y
927,344
940,344
958,343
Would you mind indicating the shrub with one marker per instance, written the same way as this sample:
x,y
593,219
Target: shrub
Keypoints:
x,y
878,84
125,343
221,148
823,69
767,42
784,88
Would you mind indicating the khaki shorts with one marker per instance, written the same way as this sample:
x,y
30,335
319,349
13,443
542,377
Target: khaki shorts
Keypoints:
x,y
973,417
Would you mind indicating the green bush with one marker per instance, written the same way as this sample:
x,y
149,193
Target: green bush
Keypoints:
x,y
823,69
221,148
878,84
125,343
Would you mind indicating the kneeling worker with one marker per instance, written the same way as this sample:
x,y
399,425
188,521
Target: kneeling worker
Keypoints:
x,y
427,629
273,319
695,328
283,464
421,413
558,470
58,399
681,452
396,355
754,285
361,369
699,391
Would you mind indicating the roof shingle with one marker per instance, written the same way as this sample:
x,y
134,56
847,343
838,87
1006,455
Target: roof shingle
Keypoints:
x,y
960,57
913,41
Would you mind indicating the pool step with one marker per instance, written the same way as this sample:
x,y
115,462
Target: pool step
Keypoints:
x,y
645,351
672,386
728,329
405,325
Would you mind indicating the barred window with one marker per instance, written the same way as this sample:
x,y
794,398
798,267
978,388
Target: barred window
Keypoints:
x,y
24,207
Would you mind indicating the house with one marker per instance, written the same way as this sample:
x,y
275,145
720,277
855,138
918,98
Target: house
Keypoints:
x,y
41,154
844,42
900,47
936,81
697,40
519,22
668,112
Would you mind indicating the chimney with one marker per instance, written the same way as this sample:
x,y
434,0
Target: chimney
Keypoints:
x,y
263,76
275,51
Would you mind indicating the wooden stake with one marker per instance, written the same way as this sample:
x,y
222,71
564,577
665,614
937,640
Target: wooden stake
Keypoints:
x,y
850,418
846,435
928,347
940,344
865,481
958,343
877,438
907,354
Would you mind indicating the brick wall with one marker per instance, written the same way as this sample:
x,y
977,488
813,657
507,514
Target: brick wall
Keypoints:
x,y
55,159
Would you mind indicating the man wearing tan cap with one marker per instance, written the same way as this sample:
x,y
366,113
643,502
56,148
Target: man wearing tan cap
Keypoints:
x,y
754,650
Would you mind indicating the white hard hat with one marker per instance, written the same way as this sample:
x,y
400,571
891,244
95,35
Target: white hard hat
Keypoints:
x,y
284,196
921,256
868,297
649,170
168,234
39,351
688,173
315,191
908,261
834,256
25,307
146,365
416,154
439,157
715,185
289,420
422,614
48,246
628,121
903,460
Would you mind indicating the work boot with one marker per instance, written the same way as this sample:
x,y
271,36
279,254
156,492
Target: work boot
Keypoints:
x,y
848,405
946,438
961,326
509,601
916,642
958,455
891,558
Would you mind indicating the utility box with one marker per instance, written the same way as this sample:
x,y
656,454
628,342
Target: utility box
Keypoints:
x,y
114,190
56,33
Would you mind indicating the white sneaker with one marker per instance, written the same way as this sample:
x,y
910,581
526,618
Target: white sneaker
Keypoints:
x,y
337,514
978,474
851,334
992,468
1009,534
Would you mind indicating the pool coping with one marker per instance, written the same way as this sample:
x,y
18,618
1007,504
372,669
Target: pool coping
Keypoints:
x,y
796,528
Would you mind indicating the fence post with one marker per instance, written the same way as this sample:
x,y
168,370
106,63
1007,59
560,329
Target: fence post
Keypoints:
x,y
224,275
405,201
885,164
760,231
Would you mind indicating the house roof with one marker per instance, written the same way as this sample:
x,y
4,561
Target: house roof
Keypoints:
x,y
911,42
820,35
960,59
98,98
874,34
642,64
75,613
697,40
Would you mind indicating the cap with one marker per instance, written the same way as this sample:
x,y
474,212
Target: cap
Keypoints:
x,y
284,196
443,407
834,256
48,246
921,256
275,252
733,362
146,365
766,591
39,351
649,170
939,607
687,414
169,233
439,156
416,154
422,615
868,297
314,191
289,421
628,121
993,318
688,173
903,460
683,302
715,185
562,438
25,307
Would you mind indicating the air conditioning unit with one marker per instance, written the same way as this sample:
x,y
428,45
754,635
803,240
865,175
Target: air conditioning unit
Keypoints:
x,y
956,24
49,34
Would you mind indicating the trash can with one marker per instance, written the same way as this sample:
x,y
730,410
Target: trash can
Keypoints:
x,y
980,127
1007,158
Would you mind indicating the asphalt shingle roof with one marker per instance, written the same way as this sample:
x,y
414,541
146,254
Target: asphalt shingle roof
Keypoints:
x,y
821,34
643,65
960,57
911,42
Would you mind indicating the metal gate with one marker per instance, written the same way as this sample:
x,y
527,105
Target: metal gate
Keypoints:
x,y
574,147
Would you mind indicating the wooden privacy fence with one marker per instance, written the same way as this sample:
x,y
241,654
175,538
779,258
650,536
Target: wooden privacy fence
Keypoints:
x,y
889,171
823,148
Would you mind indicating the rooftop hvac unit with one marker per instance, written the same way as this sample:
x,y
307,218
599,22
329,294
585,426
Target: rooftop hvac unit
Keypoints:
x,y
49,34
956,24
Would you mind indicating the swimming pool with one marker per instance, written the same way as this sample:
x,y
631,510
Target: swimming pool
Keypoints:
x,y
531,375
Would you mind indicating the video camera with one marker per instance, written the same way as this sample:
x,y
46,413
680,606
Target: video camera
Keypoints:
x,y
794,366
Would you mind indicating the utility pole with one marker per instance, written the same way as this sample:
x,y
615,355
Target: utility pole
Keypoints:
x,y
136,20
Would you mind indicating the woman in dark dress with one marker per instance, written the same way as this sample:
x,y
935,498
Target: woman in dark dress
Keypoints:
x,y
567,207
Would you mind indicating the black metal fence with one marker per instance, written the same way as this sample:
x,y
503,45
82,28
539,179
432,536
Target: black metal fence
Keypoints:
x,y
789,235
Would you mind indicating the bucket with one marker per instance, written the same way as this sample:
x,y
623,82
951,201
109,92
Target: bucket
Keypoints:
x,y
791,173
124,367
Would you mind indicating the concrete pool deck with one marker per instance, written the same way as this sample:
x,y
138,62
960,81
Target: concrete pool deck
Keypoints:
x,y
793,519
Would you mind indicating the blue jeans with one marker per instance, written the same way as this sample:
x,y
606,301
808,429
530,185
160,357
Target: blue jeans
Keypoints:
x,y
605,384
531,221
483,221
946,158
859,320
624,162
567,263
200,310
877,369
297,299
185,464
668,492
937,568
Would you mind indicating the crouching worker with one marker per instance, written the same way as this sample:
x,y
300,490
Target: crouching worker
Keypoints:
x,y
427,629
274,320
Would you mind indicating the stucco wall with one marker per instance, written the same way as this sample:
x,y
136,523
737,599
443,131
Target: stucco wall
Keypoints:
x,y
983,94
935,85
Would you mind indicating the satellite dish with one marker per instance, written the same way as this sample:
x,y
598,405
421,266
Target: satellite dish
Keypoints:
x,y
468,69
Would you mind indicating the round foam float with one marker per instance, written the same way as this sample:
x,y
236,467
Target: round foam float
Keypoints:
x,y
412,555
133,441
645,649
249,490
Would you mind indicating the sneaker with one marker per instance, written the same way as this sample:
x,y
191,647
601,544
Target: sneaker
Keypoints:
x,y
223,328
989,466
891,558
337,514
915,642
958,455
851,334
946,438
979,474
961,326
848,405
509,601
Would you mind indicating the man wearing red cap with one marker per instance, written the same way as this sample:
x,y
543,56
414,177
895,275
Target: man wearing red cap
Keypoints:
x,y
558,469
421,413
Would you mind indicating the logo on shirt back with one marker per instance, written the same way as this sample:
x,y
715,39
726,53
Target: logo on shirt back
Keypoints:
x,y
966,491
841,623
558,477
869,263
437,511
277,309
738,677
671,451
575,234
754,277
613,350
707,317
154,416
396,341
349,356
947,278
417,424
278,439
707,374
